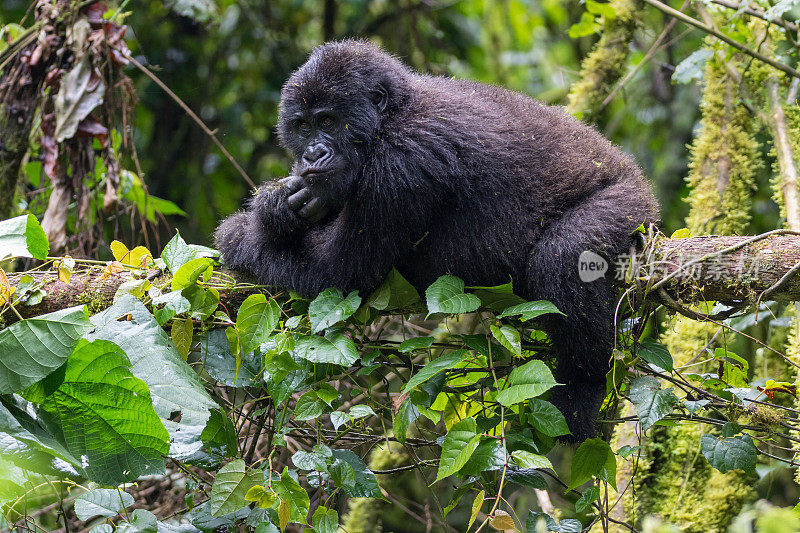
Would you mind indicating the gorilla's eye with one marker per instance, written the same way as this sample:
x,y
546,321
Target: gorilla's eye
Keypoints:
x,y
327,121
304,128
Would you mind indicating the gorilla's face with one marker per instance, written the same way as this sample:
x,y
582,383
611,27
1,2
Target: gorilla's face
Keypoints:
x,y
330,115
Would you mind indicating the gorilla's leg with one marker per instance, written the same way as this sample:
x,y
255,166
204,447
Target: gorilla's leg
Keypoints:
x,y
583,339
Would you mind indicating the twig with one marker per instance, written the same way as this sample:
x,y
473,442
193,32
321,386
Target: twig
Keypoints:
x,y
722,37
194,117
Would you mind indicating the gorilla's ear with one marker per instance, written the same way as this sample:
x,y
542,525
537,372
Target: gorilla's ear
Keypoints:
x,y
380,97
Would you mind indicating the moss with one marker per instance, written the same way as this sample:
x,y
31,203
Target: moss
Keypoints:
x,y
364,514
95,300
605,64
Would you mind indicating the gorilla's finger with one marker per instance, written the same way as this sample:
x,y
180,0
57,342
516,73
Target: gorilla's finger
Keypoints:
x,y
312,211
292,183
298,199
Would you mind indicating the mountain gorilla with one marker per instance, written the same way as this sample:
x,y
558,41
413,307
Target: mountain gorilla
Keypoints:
x,y
436,175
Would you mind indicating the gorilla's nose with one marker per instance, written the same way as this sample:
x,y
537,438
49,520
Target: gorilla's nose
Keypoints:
x,y
315,152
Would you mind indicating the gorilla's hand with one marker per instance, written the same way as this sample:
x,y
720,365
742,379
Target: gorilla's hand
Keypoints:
x,y
303,201
270,204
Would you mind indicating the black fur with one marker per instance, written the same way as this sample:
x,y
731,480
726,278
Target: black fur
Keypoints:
x,y
435,175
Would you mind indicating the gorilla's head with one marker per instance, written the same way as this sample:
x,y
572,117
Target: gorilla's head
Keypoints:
x,y
332,109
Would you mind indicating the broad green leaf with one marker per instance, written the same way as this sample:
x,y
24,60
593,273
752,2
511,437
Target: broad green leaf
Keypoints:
x,y
446,295
509,337
256,320
528,477
325,520
417,343
394,293
101,502
566,525
593,458
439,364
546,418
29,445
142,521
203,301
327,393
656,353
488,456
652,402
406,415
527,459
189,273
261,496
175,387
220,363
730,453
22,236
33,348
530,310
230,487
331,307
334,348
294,496
309,406
586,500
220,434
174,304
458,446
106,415
177,253
181,334
527,381
364,483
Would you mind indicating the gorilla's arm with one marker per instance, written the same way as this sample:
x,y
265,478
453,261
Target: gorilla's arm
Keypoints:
x,y
354,251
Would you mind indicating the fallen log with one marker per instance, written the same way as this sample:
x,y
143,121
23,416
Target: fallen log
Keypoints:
x,y
725,269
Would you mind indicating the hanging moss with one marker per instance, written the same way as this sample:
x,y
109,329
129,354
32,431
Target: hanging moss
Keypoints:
x,y
364,514
605,64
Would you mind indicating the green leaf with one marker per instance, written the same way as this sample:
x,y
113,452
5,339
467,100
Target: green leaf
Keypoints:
x,y
142,521
333,348
439,364
691,68
593,458
22,236
476,507
101,502
656,353
527,381
331,307
586,26
230,487
417,343
509,337
586,500
652,402
294,496
566,525
364,485
458,446
446,295
181,334
106,415
488,456
220,363
220,434
526,459
256,320
177,253
601,9
191,271
546,418
176,389
33,348
730,453
406,415
174,304
394,293
309,406
325,520
528,477
530,310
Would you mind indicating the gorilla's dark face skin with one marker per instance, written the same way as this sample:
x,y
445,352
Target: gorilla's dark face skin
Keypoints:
x,y
433,176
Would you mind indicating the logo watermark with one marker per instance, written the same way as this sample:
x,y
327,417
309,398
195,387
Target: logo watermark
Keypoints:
x,y
591,266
